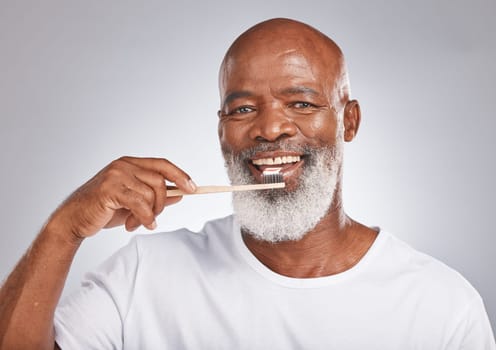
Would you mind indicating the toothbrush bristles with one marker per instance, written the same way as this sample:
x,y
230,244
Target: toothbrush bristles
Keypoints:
x,y
272,176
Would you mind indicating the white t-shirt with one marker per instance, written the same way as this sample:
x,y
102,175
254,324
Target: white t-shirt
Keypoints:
x,y
186,290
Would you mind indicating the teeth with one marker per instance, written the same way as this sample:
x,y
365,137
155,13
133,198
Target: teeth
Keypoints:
x,y
277,160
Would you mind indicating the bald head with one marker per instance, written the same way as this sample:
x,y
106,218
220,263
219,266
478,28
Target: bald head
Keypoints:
x,y
286,42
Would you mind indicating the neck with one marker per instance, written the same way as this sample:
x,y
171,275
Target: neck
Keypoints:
x,y
335,245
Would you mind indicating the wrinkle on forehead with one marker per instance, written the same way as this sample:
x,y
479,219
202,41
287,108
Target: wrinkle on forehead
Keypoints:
x,y
288,52
296,62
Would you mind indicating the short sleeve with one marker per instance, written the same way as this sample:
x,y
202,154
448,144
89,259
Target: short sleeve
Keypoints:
x,y
93,317
474,331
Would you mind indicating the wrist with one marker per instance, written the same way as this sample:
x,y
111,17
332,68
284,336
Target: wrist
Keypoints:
x,y
61,231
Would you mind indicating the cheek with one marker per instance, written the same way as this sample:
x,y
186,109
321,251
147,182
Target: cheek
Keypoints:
x,y
231,136
321,127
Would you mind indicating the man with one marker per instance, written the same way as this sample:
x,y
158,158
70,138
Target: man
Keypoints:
x,y
290,270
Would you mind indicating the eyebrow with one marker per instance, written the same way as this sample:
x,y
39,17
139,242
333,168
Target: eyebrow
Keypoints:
x,y
296,90
235,95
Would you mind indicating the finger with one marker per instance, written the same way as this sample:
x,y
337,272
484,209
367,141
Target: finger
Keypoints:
x,y
157,182
168,170
132,223
172,200
118,218
153,179
139,199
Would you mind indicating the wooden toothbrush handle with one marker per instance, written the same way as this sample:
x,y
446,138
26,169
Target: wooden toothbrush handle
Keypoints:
x,y
218,189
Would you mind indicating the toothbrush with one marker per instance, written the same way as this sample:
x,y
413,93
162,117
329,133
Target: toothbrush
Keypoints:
x,y
271,178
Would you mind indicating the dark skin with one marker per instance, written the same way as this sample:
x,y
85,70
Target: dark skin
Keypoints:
x,y
296,91
283,80
129,191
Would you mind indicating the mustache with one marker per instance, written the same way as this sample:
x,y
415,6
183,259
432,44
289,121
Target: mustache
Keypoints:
x,y
270,147
309,152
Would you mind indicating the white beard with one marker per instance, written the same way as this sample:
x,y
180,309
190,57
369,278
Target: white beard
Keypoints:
x,y
279,215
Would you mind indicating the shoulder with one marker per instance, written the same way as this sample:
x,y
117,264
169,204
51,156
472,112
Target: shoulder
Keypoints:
x,y
426,272
440,298
183,240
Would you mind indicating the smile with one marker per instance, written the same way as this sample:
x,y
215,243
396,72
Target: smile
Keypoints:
x,y
276,160
289,165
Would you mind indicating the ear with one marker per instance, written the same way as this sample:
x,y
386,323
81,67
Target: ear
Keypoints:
x,y
219,128
351,120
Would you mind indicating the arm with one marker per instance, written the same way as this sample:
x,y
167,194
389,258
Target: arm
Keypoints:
x,y
130,191
31,292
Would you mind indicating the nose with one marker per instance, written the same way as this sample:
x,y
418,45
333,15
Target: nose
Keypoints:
x,y
272,124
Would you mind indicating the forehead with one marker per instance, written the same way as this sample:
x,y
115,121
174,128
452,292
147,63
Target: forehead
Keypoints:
x,y
275,68
258,64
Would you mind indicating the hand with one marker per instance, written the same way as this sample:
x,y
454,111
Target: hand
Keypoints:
x,y
130,191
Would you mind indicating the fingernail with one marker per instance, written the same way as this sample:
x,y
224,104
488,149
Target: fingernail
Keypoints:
x,y
192,185
153,225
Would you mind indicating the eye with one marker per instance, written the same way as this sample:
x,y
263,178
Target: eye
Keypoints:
x,y
302,105
241,110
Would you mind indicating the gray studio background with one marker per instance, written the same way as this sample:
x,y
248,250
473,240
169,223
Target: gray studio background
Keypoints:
x,y
82,83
